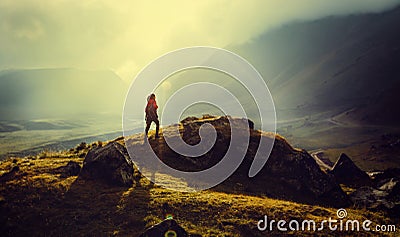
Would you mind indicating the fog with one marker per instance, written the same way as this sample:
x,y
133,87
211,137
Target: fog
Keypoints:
x,y
124,36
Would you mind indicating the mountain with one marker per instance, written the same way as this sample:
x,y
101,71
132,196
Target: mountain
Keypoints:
x,y
334,82
52,109
337,63
59,93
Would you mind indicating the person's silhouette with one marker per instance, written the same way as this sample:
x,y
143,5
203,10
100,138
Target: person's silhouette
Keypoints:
x,y
151,114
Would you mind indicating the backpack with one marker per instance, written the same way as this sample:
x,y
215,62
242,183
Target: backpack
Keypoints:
x,y
150,107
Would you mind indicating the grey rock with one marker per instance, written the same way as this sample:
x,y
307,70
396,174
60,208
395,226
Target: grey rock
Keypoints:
x,y
71,169
109,164
370,198
347,173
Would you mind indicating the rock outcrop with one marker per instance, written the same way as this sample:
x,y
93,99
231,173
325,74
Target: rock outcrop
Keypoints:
x,y
109,164
384,195
347,173
71,169
386,200
289,173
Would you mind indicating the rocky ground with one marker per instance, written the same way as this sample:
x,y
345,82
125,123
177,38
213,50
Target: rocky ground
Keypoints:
x,y
102,194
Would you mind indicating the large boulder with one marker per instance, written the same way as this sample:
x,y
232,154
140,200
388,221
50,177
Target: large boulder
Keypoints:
x,y
72,168
289,173
347,173
109,164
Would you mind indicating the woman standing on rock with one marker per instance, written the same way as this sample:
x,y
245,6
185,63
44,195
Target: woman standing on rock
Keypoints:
x,y
151,114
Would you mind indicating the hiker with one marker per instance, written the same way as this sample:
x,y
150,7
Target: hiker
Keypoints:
x,y
151,114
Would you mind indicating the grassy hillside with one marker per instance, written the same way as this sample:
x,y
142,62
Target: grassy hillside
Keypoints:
x,y
37,201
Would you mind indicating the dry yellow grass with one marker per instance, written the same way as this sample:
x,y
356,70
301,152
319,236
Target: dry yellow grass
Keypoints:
x,y
37,201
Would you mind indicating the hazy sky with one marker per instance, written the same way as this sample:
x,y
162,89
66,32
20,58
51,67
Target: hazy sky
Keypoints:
x,y
126,35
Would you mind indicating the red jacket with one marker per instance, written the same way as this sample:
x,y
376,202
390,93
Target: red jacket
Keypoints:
x,y
151,104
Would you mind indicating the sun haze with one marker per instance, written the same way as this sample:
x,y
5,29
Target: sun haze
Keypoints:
x,y
124,36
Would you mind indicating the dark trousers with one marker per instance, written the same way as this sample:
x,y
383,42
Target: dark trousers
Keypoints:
x,y
148,123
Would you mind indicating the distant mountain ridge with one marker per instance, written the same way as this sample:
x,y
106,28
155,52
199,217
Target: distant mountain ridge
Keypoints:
x,y
344,67
335,63
58,93
342,62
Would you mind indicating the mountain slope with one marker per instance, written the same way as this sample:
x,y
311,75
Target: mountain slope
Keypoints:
x,y
334,63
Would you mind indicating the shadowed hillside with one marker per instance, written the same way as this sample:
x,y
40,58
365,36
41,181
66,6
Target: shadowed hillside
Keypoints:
x,y
335,63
